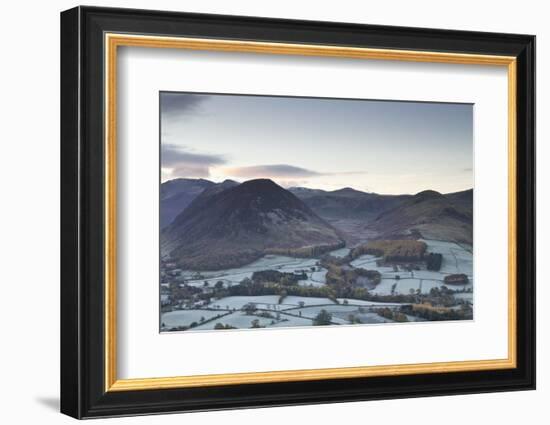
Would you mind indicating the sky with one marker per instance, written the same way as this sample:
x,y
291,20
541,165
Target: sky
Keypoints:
x,y
389,147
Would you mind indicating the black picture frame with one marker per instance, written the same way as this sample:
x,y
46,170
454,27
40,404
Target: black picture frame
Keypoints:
x,y
83,392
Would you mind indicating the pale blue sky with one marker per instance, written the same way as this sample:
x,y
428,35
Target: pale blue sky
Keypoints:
x,y
375,146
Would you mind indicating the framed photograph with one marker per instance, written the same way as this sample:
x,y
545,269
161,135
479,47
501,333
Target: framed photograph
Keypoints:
x,y
261,212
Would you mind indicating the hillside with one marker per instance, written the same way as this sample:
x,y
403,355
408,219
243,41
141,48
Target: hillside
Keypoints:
x,y
177,194
430,215
347,203
235,226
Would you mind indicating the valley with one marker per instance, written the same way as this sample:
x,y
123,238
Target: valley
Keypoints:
x,y
258,256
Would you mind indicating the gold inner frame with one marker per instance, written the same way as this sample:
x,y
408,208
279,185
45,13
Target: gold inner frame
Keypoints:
x,y
113,41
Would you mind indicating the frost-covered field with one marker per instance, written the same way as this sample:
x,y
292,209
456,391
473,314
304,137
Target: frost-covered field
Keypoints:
x,y
270,302
289,313
339,253
364,317
316,309
237,319
295,301
456,259
316,278
368,262
351,301
288,320
384,287
236,275
186,317
240,320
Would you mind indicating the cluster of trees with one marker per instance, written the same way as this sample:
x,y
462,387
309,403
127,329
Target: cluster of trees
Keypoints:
x,y
306,252
345,276
456,279
353,319
249,308
275,276
328,260
179,294
392,250
390,314
433,261
249,288
443,297
428,312
323,318
223,326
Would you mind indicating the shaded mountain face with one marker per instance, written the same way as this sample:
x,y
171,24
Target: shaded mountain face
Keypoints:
x,y
234,226
464,198
177,194
347,203
430,215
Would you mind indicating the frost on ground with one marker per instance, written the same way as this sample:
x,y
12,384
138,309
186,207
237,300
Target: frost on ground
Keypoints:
x,y
272,311
306,300
262,301
316,278
351,301
236,275
339,253
186,317
236,319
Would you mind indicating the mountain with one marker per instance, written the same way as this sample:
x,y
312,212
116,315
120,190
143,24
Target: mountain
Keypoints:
x,y
177,194
233,227
347,203
464,198
428,214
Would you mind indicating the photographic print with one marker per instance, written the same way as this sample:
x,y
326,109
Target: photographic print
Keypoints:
x,y
281,211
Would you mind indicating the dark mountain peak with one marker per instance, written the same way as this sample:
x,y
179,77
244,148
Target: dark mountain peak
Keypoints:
x,y
229,182
347,191
262,195
184,180
220,187
426,195
260,185
237,225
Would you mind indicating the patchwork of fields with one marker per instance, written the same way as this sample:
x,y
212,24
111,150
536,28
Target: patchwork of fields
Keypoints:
x,y
276,311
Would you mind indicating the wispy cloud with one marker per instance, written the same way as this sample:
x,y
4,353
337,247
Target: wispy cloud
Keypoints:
x,y
281,171
183,163
276,170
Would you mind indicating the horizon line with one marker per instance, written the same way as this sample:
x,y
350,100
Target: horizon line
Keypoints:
x,y
315,188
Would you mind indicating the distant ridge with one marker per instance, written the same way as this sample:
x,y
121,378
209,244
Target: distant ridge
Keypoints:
x,y
428,214
347,203
177,194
